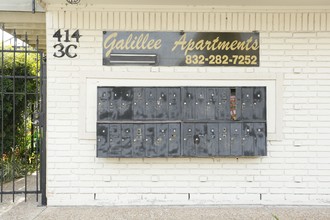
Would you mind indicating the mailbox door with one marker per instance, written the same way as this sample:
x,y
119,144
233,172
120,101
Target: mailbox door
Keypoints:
x,y
103,98
126,104
188,96
151,103
236,139
115,104
139,103
139,149
174,103
174,137
161,141
259,103
212,102
223,105
115,140
150,131
200,103
236,103
224,139
212,139
260,133
126,140
248,137
189,148
162,104
102,140
239,103
247,103
200,139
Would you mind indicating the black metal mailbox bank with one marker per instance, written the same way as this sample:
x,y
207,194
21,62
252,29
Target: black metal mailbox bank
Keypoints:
x,y
181,121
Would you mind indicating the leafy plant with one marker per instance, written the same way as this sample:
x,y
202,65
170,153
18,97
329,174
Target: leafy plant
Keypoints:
x,y
275,217
15,165
18,101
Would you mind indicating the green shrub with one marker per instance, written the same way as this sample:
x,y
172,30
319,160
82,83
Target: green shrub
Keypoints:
x,y
16,141
16,165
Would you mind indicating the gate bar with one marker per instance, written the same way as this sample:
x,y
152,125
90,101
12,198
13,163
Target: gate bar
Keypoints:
x,y
43,117
21,51
25,116
14,112
20,192
37,125
2,72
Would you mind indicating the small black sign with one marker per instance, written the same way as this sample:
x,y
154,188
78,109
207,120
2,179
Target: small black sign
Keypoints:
x,y
181,48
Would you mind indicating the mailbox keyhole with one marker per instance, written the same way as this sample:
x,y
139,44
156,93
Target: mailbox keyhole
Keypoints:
x,y
196,139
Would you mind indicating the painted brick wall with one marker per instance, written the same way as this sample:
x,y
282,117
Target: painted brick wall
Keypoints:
x,y
294,43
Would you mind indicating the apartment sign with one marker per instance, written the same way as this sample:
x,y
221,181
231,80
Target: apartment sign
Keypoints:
x,y
181,48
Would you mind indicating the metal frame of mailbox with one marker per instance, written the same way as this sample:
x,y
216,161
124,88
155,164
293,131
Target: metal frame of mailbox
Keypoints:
x,y
181,122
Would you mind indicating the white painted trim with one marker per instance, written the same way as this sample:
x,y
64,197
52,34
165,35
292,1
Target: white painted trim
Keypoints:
x,y
186,8
264,21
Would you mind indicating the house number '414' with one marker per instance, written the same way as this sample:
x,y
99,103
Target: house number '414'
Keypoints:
x,y
61,49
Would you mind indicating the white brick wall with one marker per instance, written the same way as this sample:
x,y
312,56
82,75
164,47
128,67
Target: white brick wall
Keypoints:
x,y
295,44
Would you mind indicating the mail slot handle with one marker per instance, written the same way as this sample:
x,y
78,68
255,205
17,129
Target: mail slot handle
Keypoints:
x,y
119,58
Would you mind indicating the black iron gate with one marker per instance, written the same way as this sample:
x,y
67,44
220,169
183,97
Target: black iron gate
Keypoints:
x,y
22,120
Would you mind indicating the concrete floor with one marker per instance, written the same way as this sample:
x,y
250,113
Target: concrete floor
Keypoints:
x,y
32,210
